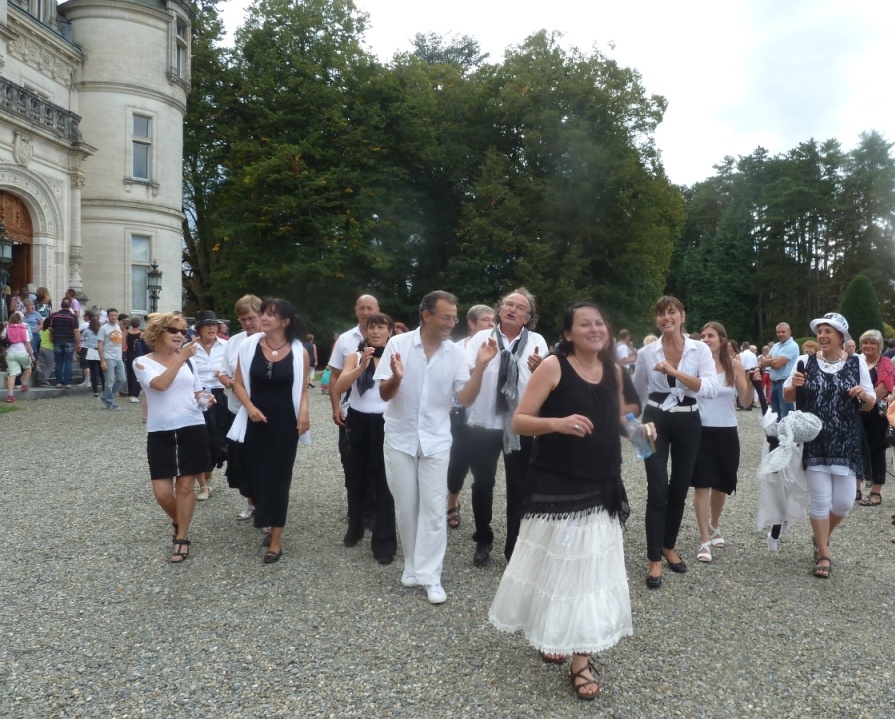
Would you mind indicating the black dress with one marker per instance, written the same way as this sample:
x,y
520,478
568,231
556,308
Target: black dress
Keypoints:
x,y
270,446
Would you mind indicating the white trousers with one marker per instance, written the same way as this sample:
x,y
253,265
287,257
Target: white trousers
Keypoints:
x,y
830,493
419,487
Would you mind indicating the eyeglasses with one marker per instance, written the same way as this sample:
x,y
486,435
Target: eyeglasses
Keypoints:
x,y
517,306
176,331
448,318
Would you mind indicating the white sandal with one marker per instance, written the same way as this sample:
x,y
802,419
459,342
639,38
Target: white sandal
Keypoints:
x,y
717,540
705,552
204,493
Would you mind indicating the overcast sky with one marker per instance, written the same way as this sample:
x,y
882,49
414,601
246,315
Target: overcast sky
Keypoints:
x,y
737,74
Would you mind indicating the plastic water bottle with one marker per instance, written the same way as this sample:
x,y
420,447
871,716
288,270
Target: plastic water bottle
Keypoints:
x,y
642,446
205,398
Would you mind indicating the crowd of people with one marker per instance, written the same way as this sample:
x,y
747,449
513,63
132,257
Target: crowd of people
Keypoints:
x,y
418,411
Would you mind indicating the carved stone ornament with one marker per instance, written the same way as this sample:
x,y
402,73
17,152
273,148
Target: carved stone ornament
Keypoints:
x,y
22,149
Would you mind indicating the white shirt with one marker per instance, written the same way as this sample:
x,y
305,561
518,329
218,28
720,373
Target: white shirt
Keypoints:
x,y
622,351
484,412
174,407
419,415
696,361
345,345
228,367
207,363
749,360
370,402
720,410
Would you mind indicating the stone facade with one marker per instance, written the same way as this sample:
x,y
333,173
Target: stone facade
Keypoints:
x,y
92,98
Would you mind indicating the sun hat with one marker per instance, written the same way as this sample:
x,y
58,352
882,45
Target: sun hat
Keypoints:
x,y
205,317
836,321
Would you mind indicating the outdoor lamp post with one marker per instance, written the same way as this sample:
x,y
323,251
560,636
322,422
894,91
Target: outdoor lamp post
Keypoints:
x,y
5,264
154,285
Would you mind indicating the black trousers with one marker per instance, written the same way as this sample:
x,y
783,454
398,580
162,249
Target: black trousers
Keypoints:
x,y
678,436
485,446
365,468
458,467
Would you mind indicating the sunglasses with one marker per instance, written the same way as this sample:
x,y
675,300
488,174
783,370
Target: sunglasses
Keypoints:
x,y
176,331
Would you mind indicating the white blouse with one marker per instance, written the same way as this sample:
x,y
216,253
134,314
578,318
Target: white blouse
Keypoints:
x,y
696,361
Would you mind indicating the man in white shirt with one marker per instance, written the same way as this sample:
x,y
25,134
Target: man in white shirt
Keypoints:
x,y
109,343
246,309
490,417
421,371
624,351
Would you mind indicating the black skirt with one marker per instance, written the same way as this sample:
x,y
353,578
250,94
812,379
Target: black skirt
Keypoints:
x,y
178,452
718,460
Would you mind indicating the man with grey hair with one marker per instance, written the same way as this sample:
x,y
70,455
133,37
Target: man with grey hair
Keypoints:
x,y
420,373
490,417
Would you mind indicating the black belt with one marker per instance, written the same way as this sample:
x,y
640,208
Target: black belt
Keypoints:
x,y
660,397
778,381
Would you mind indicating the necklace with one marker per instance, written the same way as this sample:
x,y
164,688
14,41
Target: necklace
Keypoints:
x,y
586,375
829,364
276,351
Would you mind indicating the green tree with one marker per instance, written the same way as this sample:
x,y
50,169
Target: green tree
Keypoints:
x,y
571,199
860,307
205,148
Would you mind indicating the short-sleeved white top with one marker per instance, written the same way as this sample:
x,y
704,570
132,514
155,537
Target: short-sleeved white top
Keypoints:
x,y
174,407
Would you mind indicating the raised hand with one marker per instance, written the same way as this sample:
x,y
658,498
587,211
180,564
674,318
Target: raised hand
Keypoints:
x,y
534,359
366,357
397,365
487,352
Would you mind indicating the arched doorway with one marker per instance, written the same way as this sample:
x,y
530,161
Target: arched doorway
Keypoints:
x,y
21,231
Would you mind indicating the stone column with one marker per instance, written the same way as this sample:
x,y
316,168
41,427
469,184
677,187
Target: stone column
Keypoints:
x,y
75,250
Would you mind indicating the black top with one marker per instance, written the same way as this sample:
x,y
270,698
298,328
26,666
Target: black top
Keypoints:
x,y
570,473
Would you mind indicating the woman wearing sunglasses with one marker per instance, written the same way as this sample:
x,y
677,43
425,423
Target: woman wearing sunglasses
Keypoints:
x,y
177,441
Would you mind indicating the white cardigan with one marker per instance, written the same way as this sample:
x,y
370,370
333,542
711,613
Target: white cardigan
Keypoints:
x,y
246,354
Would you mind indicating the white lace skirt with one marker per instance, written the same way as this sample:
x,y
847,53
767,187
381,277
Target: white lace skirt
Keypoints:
x,y
565,586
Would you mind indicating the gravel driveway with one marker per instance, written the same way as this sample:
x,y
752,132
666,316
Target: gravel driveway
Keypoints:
x,y
95,622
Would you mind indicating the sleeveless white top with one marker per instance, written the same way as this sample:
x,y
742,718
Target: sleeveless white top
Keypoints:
x,y
719,411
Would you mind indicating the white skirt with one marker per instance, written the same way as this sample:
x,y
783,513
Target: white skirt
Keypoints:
x,y
565,586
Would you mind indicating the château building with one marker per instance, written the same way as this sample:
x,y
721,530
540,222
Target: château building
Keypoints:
x,y
92,98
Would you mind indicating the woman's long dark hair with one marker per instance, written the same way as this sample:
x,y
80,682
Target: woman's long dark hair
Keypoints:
x,y
723,351
565,348
285,311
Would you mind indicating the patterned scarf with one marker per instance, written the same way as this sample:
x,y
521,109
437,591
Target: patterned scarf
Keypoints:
x,y
508,386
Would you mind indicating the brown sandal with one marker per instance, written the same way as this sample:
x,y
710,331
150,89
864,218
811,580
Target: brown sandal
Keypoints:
x,y
179,556
868,502
585,682
453,516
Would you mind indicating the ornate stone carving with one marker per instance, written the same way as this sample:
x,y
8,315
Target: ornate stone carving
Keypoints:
x,y
39,52
46,212
22,148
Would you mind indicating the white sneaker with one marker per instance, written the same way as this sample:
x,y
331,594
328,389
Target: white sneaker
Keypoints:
x,y
772,544
86,383
436,594
245,514
135,400
408,580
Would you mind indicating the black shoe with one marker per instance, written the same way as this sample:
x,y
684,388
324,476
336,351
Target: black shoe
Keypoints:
x,y
678,567
386,559
653,582
482,554
352,539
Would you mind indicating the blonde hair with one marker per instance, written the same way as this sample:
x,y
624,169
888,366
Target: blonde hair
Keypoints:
x,y
156,324
874,336
246,304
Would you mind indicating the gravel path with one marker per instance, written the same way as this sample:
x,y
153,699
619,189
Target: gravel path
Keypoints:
x,y
94,621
